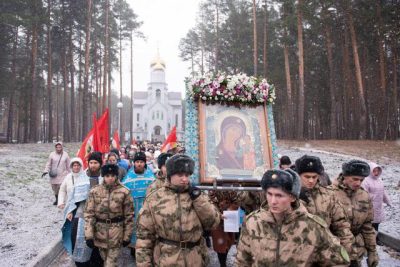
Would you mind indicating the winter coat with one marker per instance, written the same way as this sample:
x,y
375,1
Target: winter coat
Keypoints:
x,y
321,201
223,200
68,183
170,214
63,168
156,184
358,208
250,201
109,202
374,186
67,187
302,239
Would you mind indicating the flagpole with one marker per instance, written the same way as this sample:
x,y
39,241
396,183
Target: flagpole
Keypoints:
x,y
119,106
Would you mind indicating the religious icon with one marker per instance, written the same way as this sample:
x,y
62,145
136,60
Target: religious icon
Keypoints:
x,y
233,142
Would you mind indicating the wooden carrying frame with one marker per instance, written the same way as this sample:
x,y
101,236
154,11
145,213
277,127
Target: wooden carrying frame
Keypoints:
x,y
220,163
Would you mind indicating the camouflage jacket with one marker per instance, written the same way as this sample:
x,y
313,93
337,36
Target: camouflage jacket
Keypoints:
x,y
322,201
172,215
358,208
108,202
156,184
224,200
302,239
250,201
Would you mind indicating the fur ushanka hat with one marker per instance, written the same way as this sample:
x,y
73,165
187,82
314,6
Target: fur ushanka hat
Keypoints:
x,y
109,169
288,180
356,168
162,159
97,156
179,163
309,164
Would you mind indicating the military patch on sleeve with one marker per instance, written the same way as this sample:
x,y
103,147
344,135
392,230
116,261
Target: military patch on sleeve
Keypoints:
x,y
344,254
317,219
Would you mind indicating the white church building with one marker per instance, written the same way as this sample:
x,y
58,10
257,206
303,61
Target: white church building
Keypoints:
x,y
156,111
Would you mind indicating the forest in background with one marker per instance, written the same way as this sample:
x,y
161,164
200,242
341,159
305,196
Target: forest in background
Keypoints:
x,y
334,64
57,58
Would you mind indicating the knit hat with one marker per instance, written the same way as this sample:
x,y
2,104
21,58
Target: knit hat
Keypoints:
x,y
309,164
140,156
109,169
288,180
75,160
179,163
356,168
285,160
97,156
162,159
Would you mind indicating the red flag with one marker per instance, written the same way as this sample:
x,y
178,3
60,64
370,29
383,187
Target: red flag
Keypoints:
x,y
86,147
103,134
96,139
170,142
115,142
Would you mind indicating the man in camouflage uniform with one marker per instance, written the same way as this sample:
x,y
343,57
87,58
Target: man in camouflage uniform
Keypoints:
x,y
358,207
172,220
109,216
281,233
161,174
321,201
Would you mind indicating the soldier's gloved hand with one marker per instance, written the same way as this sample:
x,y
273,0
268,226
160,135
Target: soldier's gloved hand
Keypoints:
x,y
43,174
125,243
373,259
90,243
194,192
354,263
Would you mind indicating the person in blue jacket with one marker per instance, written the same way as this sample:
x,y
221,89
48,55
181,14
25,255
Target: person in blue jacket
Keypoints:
x,y
138,178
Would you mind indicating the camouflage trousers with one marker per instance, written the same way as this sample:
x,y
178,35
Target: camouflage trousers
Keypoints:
x,y
110,256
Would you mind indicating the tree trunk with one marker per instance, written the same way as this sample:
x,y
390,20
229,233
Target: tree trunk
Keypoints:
x,y
57,106
49,76
80,93
72,74
289,125
217,36
255,56
105,60
265,43
131,105
10,121
300,110
33,99
329,52
66,128
96,73
396,112
363,109
85,104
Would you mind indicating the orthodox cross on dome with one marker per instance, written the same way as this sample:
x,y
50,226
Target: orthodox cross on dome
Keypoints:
x,y
157,63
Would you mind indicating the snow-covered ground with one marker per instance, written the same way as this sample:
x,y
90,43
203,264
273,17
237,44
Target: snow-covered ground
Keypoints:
x,y
29,221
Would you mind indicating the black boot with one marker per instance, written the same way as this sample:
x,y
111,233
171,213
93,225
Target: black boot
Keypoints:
x,y
55,202
222,259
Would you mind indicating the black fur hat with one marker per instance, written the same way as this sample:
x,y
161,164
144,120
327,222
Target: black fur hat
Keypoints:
x,y
109,169
288,180
97,156
179,163
285,160
356,168
140,156
162,159
309,164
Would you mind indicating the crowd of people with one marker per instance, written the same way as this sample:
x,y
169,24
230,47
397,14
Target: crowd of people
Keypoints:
x,y
140,198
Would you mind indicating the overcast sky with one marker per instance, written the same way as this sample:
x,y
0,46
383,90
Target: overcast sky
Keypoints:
x,y
165,22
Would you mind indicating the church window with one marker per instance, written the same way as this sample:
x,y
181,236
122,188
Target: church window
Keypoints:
x,y
145,125
137,116
158,94
137,124
153,115
176,120
162,115
158,114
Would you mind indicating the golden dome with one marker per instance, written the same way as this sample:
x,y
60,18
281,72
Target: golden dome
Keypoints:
x,y
157,63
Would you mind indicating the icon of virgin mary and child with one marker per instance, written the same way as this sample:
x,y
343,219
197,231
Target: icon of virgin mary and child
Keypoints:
x,y
235,149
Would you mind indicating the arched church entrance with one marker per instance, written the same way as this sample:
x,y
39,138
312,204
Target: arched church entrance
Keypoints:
x,y
156,135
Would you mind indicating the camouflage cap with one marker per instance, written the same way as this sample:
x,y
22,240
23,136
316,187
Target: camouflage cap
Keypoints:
x,y
356,168
288,180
